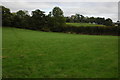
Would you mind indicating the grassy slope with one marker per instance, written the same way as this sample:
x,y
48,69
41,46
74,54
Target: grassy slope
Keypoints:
x,y
84,24
0,52
36,54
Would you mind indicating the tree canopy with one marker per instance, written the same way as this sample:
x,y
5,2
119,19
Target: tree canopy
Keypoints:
x,y
57,12
54,21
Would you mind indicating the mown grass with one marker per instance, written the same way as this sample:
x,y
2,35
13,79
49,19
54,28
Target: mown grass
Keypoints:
x,y
34,54
84,25
0,52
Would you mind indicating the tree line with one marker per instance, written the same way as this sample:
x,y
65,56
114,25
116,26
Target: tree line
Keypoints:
x,y
55,21
94,20
38,20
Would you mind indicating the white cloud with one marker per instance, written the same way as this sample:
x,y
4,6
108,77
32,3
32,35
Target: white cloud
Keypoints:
x,y
104,9
97,9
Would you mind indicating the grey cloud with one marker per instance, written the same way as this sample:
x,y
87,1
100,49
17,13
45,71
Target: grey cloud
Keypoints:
x,y
104,9
99,9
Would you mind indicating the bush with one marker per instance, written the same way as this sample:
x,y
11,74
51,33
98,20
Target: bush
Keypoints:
x,y
92,30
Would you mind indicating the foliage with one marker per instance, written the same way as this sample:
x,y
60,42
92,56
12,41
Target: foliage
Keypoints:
x,y
6,16
21,19
57,12
38,19
96,30
58,19
108,22
77,18
55,22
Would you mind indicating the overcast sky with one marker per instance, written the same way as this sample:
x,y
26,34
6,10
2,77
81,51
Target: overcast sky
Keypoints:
x,y
96,8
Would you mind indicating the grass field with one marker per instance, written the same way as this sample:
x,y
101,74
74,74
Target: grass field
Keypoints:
x,y
84,25
35,54
0,52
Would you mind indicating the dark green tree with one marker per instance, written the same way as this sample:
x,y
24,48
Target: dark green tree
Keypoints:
x,y
50,14
58,19
6,16
77,18
57,12
82,18
68,19
108,22
21,19
38,19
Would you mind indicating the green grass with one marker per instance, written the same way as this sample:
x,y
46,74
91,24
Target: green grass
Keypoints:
x,y
0,52
35,54
84,25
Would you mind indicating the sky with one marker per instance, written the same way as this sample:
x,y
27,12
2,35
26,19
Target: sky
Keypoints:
x,y
95,8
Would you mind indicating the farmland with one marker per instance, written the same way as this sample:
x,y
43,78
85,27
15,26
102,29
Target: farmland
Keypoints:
x,y
36,54
84,25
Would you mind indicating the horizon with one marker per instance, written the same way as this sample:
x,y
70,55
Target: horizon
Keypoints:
x,y
90,9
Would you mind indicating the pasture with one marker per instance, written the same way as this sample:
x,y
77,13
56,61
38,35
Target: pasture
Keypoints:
x,y
36,54
85,25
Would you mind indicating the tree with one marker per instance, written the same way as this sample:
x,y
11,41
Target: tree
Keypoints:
x,y
91,20
81,18
108,22
57,12
68,19
38,19
6,16
21,19
58,19
118,22
77,18
50,14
